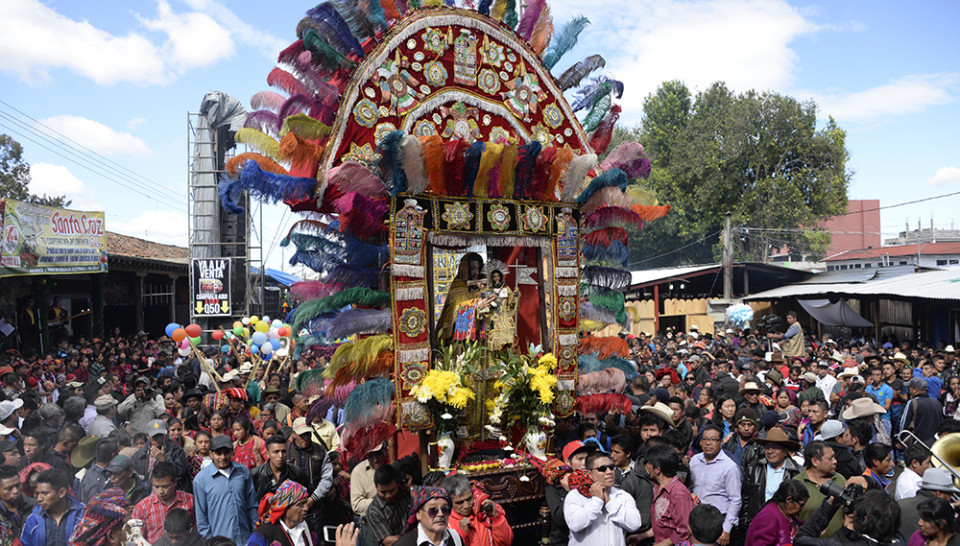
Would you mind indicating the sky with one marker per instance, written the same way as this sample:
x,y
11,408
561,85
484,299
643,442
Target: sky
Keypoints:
x,y
98,93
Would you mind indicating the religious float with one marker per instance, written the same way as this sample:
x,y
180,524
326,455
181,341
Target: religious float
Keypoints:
x,y
464,226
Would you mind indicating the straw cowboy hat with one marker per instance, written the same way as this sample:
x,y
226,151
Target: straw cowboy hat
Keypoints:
x,y
662,411
862,407
750,387
847,372
901,357
776,436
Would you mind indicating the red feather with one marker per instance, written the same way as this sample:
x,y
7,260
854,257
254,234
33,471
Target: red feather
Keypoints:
x,y
603,403
454,157
601,136
604,347
358,443
281,79
541,179
359,215
603,237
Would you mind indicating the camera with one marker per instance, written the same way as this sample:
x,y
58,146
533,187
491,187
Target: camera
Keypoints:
x,y
837,491
769,324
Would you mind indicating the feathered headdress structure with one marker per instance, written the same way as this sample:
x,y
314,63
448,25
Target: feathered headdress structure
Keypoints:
x,y
379,101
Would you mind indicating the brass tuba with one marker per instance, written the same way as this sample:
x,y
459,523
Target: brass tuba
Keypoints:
x,y
945,451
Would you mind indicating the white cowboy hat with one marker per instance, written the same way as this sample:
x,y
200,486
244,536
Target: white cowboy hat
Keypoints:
x,y
662,411
862,407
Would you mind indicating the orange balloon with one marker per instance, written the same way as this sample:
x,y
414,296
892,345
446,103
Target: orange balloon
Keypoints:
x,y
217,335
178,335
238,324
193,330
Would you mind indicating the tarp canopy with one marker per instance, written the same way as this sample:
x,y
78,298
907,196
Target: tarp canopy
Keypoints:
x,y
834,314
280,277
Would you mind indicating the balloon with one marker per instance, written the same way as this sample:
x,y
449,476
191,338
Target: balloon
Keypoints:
x,y
195,341
178,335
277,323
266,319
238,324
245,321
259,338
193,330
185,344
266,349
254,319
273,334
183,352
282,332
238,330
217,335
246,332
225,349
170,328
262,327
275,343
254,349
228,335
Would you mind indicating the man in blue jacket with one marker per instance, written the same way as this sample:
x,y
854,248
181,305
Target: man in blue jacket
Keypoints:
x,y
224,497
52,521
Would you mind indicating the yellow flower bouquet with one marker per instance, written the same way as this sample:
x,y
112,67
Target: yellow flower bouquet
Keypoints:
x,y
527,390
442,390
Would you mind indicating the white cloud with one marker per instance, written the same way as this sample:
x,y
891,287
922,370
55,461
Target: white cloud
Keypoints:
x,y
268,44
154,225
97,136
35,38
54,180
132,124
907,95
945,175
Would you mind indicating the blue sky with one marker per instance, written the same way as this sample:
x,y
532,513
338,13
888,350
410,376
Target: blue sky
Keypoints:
x,y
120,76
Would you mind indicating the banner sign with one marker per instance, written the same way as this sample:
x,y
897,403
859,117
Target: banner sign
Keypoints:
x,y
41,240
211,287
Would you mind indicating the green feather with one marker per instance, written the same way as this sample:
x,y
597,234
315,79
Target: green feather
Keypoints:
x,y
323,53
611,300
357,295
596,114
305,127
510,15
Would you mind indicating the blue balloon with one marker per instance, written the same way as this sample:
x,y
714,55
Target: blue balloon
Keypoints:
x,y
259,338
170,328
266,349
275,343
225,349
254,349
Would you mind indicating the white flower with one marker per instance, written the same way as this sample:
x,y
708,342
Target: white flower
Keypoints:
x,y
514,455
508,448
446,416
490,428
524,478
502,439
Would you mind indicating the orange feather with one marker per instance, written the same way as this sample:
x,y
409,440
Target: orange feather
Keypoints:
x,y
434,158
298,151
265,163
604,347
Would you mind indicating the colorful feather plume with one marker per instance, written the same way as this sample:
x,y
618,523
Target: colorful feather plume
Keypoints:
x,y
359,442
604,403
364,400
330,17
291,54
541,179
267,99
628,158
299,152
351,176
588,363
606,277
411,153
526,167
358,25
615,253
572,179
373,12
344,274
324,54
590,312
603,134
588,325
604,346
360,321
434,160
559,166
311,290
529,19
265,121
390,10
484,7
508,168
319,409
603,381
542,31
454,158
267,145
564,41
488,161
340,394
598,88
358,355
235,163
593,118
650,213
306,127
310,382
607,216
614,177
281,79
360,296
606,236
611,196
309,226
471,166
230,193
269,186
499,9
572,76
297,104
602,298
510,14
391,162
360,215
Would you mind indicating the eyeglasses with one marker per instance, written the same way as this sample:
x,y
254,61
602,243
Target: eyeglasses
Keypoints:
x,y
710,440
432,512
604,468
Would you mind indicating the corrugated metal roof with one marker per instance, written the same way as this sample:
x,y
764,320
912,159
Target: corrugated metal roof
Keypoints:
x,y
652,275
935,285
899,251
831,277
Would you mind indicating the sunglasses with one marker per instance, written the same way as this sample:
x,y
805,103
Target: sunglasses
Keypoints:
x,y
432,512
604,468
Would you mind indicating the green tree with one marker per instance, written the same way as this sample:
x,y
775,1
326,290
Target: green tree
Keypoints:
x,y
759,156
15,176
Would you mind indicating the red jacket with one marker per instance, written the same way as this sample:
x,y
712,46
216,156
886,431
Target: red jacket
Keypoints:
x,y
484,530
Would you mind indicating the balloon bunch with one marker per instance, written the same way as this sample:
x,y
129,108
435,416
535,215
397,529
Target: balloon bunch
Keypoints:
x,y
257,339
188,339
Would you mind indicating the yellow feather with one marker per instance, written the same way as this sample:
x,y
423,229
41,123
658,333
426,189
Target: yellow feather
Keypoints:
x,y
642,196
499,9
489,160
508,170
366,350
306,127
587,325
260,141
343,356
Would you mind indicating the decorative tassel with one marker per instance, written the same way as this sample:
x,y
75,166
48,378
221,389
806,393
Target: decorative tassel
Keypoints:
x,y
564,41
542,32
259,141
311,290
433,157
265,163
454,151
596,114
650,213
508,167
360,321
603,403
471,167
606,236
538,189
572,179
306,127
600,139
327,13
484,7
606,277
366,297
614,177
267,99
572,76
604,346
298,151
390,164
488,161
530,16
413,165
281,79
265,121
526,167
606,216
359,215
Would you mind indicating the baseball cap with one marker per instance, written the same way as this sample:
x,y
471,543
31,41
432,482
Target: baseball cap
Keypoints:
x,y
300,426
119,464
576,446
156,427
219,442
830,430
7,407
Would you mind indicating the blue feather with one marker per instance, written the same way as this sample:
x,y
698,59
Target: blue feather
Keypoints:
x,y
273,187
471,165
615,253
391,163
598,87
526,168
484,7
338,272
328,15
230,193
360,321
613,177
363,253
564,41
366,397
351,15
590,363
373,12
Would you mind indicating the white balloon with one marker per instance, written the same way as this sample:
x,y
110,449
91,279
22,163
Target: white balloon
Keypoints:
x,y
274,334
184,352
245,321
265,318
277,323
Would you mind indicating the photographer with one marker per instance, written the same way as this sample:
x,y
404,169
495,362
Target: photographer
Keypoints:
x,y
141,407
869,518
792,342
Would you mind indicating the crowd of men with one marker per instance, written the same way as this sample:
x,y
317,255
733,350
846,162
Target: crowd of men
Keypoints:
x,y
733,438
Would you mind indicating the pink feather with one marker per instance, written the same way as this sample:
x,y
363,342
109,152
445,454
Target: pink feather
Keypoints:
x,y
304,59
606,216
624,153
311,290
341,393
351,176
611,196
359,215
530,17
267,99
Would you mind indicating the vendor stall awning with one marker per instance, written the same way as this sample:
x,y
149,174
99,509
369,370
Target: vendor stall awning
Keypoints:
x,y
834,314
280,277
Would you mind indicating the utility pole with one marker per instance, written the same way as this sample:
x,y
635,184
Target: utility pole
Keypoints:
x,y
727,260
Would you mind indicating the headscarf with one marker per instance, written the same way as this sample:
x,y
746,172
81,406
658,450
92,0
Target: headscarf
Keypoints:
x,y
274,505
554,470
104,513
236,392
581,481
479,496
27,471
421,495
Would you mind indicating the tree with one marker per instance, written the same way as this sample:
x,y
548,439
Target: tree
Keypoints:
x,y
15,176
759,156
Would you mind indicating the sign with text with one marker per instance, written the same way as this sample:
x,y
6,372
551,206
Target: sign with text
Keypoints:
x,y
41,240
211,287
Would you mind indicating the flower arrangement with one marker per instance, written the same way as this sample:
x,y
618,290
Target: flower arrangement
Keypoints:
x,y
527,390
443,390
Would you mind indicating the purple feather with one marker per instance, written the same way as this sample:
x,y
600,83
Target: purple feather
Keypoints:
x,y
265,121
295,105
359,321
529,20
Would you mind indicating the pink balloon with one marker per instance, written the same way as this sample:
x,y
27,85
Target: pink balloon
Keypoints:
x,y
185,344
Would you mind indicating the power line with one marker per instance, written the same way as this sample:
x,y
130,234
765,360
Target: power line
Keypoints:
x,y
698,241
905,203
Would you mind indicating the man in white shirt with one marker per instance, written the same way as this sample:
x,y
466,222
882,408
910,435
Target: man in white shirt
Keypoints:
x,y
599,516
917,461
825,381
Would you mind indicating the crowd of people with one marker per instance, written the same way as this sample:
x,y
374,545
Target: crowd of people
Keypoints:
x,y
732,438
